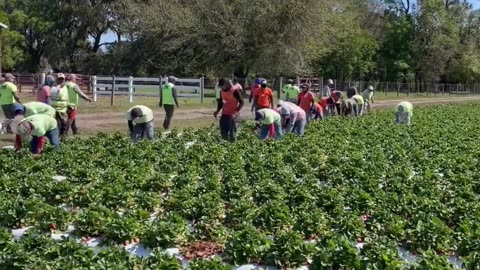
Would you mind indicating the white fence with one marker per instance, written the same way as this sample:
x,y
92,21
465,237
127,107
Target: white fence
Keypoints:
x,y
137,86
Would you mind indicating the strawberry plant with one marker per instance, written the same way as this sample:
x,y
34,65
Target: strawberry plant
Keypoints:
x,y
289,250
214,264
166,232
247,246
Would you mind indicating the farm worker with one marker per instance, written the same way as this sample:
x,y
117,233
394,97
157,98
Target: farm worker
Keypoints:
x,y
327,88
368,98
351,91
237,85
263,97
29,109
306,100
218,97
43,94
323,102
360,104
348,107
318,112
230,106
140,122
59,97
404,113
167,99
294,118
38,126
74,92
291,91
335,102
270,123
253,92
8,96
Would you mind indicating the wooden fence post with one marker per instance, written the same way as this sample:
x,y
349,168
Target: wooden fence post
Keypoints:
x,y
130,89
113,90
202,89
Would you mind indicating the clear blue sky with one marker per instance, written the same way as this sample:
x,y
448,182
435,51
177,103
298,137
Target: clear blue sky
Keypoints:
x,y
110,37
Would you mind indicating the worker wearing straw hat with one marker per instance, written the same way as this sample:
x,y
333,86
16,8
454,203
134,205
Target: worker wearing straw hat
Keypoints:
x,y
37,126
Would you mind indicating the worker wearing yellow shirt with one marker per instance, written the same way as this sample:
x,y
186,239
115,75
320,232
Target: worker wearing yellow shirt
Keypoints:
x,y
59,97
168,98
270,123
8,96
140,122
291,91
37,126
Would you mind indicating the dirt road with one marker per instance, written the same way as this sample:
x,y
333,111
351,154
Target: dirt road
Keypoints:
x,y
99,121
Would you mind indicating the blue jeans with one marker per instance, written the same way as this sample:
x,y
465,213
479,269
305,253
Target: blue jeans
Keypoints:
x,y
299,127
142,130
265,128
228,128
53,138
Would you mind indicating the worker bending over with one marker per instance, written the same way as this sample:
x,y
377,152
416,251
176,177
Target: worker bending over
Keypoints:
x,y
360,104
270,123
348,107
37,126
230,106
140,122
404,113
294,118
336,98
27,110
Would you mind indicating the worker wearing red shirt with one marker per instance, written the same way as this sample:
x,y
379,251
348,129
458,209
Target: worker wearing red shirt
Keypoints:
x,y
263,97
306,100
231,105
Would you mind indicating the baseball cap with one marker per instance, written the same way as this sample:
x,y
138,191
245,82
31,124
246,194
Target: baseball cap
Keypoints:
x,y
290,81
18,108
9,76
330,81
24,129
172,79
71,77
259,116
258,81
60,76
370,88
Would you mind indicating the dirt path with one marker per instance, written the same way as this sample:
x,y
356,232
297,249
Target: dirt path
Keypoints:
x,y
101,120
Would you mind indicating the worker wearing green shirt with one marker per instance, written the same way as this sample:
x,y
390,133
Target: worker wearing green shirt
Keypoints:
x,y
140,122
8,96
167,98
291,91
404,113
74,93
37,126
368,98
59,97
31,108
270,123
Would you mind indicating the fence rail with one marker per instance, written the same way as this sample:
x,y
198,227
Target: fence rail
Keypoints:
x,y
142,86
201,87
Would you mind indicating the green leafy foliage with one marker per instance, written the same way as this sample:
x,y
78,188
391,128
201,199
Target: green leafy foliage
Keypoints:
x,y
252,202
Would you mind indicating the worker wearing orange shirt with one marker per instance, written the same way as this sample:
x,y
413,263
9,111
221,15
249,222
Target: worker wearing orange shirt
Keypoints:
x,y
253,91
306,100
263,97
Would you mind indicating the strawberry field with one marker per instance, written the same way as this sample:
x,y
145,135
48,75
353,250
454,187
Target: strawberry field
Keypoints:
x,y
357,193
